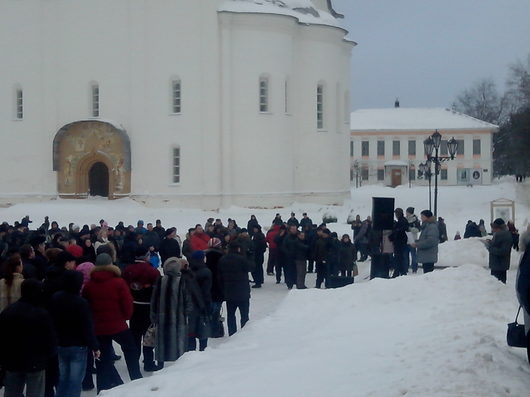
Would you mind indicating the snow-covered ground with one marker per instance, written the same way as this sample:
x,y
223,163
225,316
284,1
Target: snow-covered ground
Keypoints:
x,y
442,334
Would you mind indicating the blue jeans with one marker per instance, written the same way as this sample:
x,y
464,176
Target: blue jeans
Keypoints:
x,y
72,366
413,259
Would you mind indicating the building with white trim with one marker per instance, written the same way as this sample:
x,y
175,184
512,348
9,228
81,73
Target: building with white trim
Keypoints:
x,y
387,146
202,103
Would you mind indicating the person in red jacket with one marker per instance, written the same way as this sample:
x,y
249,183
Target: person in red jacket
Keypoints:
x,y
273,248
141,277
112,306
199,240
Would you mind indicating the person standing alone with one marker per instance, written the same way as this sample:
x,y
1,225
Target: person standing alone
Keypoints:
x,y
500,248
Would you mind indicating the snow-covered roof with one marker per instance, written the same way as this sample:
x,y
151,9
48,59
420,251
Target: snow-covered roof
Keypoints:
x,y
304,10
414,119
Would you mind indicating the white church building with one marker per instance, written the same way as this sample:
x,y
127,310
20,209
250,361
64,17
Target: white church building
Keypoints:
x,y
202,103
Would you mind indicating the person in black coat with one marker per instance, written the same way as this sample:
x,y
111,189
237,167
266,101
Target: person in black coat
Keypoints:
x,y
169,246
27,253
89,252
472,230
199,285
151,239
305,222
75,330
522,286
280,259
399,239
233,269
259,246
214,253
27,342
54,279
332,260
251,224
292,221
347,256
289,248
300,259
130,246
40,262
322,247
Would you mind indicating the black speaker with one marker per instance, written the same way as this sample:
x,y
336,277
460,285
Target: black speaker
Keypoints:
x,y
380,266
382,213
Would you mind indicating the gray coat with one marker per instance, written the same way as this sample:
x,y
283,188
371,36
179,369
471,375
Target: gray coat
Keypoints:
x,y
170,307
427,244
500,249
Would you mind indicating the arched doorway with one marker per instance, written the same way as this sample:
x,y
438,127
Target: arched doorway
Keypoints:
x,y
92,158
98,180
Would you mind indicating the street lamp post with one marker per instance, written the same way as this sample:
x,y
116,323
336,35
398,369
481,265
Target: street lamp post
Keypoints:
x,y
433,144
425,171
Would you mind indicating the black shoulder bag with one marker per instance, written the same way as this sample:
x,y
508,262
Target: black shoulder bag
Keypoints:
x,y
516,336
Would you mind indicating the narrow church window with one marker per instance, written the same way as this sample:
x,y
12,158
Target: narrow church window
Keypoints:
x,y
176,95
95,100
176,165
263,94
347,110
286,93
320,106
19,104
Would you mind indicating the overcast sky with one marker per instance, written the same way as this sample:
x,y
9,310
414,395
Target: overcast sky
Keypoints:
x,y
426,51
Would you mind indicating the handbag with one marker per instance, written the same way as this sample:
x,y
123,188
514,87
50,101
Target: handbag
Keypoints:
x,y
516,335
204,330
355,270
150,336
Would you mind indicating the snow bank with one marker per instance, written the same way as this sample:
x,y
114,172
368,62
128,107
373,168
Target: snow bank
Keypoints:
x,y
441,334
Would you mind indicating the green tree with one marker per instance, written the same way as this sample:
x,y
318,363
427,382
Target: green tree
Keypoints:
x,y
512,145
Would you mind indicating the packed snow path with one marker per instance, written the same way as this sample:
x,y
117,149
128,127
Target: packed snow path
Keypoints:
x,y
442,334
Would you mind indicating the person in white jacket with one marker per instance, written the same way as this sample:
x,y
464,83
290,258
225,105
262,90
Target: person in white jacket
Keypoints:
x,y
414,228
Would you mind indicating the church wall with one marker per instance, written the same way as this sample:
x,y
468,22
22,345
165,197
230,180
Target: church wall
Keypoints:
x,y
230,152
322,160
261,143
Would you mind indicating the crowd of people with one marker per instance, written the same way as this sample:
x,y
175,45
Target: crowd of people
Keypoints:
x,y
66,294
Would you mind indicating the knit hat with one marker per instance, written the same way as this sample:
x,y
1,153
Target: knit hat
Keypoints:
x,y
198,256
214,242
103,260
169,231
410,210
498,222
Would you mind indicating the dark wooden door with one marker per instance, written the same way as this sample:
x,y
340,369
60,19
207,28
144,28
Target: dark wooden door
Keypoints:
x,y
396,177
98,180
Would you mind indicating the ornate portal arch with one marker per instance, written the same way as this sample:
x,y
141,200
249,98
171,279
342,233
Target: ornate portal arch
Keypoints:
x,y
78,146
